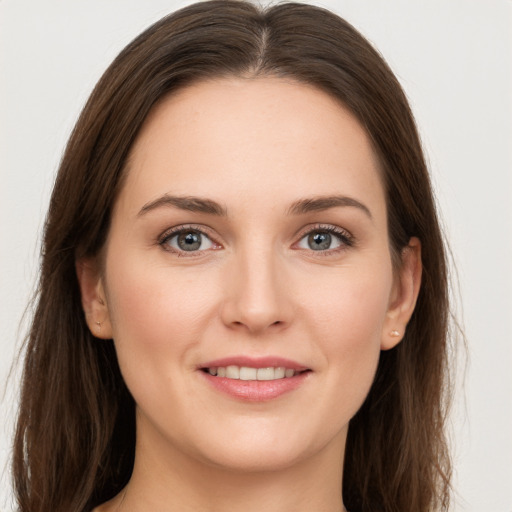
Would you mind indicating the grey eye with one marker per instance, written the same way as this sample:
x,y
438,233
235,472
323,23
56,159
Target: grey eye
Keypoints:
x,y
320,241
190,241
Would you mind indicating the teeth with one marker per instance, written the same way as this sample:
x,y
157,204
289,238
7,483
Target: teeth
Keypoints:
x,y
232,372
248,373
280,372
265,374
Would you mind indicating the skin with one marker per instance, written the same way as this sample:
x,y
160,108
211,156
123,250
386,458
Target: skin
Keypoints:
x,y
255,287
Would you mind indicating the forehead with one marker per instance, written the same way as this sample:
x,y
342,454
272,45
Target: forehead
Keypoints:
x,y
260,136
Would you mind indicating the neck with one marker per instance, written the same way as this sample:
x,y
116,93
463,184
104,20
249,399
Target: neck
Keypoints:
x,y
169,480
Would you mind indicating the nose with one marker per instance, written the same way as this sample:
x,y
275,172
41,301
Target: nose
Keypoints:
x,y
256,295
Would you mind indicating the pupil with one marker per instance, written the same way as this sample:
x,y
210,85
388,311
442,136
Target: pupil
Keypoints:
x,y
189,241
319,241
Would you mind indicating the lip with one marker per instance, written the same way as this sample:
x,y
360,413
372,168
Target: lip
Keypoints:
x,y
255,362
255,390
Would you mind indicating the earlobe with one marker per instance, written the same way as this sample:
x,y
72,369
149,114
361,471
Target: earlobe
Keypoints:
x,y
404,295
94,302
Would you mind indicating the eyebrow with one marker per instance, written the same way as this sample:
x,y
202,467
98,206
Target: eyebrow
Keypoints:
x,y
208,206
322,203
188,203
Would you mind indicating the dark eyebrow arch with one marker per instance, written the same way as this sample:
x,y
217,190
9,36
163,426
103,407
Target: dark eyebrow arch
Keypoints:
x,y
188,203
321,203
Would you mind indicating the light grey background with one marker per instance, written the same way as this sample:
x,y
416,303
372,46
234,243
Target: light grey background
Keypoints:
x,y
454,61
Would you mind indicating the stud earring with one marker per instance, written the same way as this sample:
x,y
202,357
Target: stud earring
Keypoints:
x,y
394,333
99,326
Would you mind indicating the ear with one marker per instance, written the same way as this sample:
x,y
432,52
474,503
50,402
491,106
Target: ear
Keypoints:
x,y
94,302
403,296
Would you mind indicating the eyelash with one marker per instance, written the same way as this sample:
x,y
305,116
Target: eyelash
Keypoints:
x,y
168,235
344,237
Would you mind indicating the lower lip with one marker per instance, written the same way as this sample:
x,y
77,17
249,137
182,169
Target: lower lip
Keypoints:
x,y
256,390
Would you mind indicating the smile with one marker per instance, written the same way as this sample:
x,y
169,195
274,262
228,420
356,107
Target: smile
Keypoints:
x,y
254,379
249,373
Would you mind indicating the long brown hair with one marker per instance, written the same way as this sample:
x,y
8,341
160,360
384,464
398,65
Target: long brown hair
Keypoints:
x,y
75,439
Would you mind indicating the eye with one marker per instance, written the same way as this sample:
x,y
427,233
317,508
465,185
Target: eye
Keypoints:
x,y
326,238
186,240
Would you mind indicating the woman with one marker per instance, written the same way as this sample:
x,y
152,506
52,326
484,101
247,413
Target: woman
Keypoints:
x,y
243,297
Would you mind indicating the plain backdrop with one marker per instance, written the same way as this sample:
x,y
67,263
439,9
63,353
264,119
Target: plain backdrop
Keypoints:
x,y
454,59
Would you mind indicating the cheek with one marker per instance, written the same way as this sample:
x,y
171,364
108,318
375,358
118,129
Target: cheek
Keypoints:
x,y
350,307
157,314
346,318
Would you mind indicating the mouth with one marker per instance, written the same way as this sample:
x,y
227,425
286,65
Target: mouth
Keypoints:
x,y
255,379
249,373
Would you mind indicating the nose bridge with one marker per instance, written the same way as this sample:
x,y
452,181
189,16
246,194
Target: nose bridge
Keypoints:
x,y
256,296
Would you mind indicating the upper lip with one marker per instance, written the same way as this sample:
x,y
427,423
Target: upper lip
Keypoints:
x,y
255,362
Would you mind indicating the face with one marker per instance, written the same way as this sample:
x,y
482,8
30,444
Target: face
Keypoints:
x,y
247,278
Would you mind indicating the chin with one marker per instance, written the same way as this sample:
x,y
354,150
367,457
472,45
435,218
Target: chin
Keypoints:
x,y
267,451
256,459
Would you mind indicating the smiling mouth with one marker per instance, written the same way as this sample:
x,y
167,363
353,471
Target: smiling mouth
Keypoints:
x,y
248,373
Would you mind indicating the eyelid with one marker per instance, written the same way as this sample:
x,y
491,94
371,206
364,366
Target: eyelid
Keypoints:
x,y
176,230
346,238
